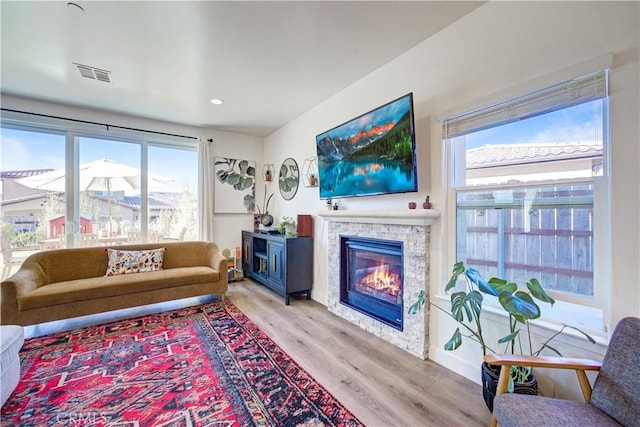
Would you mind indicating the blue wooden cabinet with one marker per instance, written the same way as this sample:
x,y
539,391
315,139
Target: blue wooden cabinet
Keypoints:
x,y
283,264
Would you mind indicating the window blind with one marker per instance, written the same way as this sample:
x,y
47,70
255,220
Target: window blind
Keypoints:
x,y
563,95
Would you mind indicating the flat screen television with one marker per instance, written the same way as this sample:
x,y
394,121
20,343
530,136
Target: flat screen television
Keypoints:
x,y
375,153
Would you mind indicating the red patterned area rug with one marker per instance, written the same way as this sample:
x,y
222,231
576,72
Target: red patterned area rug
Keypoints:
x,y
200,366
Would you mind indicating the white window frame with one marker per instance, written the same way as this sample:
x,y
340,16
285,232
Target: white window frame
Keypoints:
x,y
596,309
77,130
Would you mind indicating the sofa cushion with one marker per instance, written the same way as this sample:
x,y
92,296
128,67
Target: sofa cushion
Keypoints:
x,y
125,262
107,286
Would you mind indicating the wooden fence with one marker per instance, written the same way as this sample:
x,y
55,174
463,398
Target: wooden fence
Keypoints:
x,y
552,242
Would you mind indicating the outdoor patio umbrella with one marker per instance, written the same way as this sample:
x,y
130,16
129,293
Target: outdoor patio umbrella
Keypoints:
x,y
99,175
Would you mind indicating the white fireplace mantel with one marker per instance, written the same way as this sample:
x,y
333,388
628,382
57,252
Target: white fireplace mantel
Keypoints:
x,y
412,227
397,217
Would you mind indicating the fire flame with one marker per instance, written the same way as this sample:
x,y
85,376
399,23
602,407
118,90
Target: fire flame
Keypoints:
x,y
382,280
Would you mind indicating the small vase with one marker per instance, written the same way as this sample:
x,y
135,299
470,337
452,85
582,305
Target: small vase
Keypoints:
x,y
426,204
412,205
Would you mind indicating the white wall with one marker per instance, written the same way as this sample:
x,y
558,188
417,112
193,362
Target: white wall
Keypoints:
x,y
228,227
500,50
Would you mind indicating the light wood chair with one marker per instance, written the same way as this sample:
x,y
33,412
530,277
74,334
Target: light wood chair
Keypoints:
x,y
613,400
180,237
88,240
8,260
133,237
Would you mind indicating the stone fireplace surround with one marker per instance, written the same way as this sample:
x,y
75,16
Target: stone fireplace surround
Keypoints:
x,y
412,227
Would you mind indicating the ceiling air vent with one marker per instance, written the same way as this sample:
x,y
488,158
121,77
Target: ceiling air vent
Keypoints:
x,y
94,73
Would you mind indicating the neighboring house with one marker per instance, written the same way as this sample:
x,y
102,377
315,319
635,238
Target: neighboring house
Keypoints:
x,y
11,190
530,162
21,205
56,226
24,207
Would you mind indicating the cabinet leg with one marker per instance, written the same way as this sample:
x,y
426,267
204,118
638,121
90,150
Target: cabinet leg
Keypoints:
x,y
286,299
308,295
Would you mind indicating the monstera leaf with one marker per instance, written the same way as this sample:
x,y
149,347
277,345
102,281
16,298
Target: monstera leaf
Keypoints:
x,y
536,290
501,285
454,342
458,269
468,304
479,281
520,305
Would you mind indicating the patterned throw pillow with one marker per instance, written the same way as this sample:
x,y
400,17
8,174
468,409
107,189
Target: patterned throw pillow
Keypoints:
x,y
124,262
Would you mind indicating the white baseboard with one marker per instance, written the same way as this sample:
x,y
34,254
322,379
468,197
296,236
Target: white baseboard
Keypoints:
x,y
451,361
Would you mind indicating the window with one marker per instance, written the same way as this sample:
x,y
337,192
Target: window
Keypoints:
x,y
30,215
135,191
529,180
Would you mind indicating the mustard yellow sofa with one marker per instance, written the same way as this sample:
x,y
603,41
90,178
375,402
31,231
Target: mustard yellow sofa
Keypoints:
x,y
65,283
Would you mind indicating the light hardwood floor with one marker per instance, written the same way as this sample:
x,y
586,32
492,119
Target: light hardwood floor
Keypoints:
x,y
379,383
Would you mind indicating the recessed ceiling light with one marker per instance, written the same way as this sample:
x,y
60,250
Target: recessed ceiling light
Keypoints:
x,y
217,101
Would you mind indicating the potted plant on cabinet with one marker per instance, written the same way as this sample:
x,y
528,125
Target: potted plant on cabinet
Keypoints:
x,y
521,307
287,226
265,218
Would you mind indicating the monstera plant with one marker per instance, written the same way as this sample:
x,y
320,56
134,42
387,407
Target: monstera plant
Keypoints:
x,y
520,304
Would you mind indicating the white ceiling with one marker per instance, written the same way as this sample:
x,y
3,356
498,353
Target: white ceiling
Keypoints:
x,y
269,61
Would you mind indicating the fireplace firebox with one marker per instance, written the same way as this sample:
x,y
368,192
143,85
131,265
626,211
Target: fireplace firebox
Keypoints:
x,y
371,277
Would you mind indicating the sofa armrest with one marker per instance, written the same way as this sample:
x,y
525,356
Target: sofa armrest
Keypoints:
x,y
217,261
21,283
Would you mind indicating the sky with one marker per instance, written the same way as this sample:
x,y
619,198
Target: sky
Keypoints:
x,y
581,123
24,150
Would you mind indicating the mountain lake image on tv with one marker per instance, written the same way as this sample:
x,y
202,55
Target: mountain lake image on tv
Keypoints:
x,y
371,154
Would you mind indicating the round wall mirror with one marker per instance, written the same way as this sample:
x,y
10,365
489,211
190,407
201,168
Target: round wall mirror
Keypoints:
x,y
289,178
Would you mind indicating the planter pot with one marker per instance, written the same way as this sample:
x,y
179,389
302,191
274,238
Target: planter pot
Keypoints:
x,y
490,376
